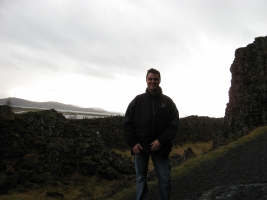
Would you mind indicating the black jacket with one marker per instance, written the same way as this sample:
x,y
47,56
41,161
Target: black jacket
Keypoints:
x,y
151,117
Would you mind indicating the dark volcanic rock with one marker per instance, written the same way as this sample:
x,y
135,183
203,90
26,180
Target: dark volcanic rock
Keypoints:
x,y
197,128
38,147
247,107
188,153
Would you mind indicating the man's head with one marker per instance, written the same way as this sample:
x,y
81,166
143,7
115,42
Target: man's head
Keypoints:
x,y
153,80
153,71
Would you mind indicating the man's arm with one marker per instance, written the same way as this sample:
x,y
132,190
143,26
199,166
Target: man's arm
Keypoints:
x,y
172,127
128,125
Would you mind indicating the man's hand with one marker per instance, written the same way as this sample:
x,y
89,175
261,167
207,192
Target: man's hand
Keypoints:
x,y
155,145
137,148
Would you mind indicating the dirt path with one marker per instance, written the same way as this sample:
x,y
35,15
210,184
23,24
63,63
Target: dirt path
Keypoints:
x,y
240,174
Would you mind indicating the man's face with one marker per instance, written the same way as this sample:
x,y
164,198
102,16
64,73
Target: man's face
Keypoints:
x,y
153,82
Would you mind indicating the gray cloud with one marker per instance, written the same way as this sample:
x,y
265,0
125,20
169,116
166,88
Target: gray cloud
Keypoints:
x,y
116,33
102,35
104,39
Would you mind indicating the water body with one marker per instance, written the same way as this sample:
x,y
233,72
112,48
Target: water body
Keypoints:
x,y
70,114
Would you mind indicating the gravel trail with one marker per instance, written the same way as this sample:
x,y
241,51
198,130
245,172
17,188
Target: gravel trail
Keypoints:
x,y
241,174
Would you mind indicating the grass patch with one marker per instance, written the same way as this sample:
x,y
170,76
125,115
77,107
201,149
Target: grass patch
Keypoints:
x,y
197,147
217,153
79,188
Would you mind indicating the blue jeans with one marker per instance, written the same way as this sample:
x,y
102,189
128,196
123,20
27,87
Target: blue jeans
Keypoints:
x,y
163,171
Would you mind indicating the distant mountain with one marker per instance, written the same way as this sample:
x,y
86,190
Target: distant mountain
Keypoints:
x,y
100,109
17,102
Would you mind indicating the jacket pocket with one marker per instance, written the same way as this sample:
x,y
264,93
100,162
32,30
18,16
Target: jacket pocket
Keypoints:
x,y
142,127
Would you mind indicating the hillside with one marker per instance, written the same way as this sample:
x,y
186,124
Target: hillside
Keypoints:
x,y
238,172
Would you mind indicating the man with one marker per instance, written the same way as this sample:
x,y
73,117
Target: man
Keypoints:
x,y
150,123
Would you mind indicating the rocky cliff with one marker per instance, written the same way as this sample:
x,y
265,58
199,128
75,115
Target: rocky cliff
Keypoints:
x,y
247,107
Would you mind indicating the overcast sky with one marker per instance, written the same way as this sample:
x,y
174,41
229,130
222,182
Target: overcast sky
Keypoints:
x,y
96,53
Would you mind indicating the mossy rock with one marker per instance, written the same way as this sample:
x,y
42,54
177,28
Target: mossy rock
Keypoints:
x,y
6,122
108,173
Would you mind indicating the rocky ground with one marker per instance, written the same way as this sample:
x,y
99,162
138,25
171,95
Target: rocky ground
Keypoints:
x,y
240,174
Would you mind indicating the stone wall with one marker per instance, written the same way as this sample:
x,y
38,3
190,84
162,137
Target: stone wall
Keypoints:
x,y
247,107
40,147
197,128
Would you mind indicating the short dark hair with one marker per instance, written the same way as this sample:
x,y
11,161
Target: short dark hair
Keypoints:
x,y
153,71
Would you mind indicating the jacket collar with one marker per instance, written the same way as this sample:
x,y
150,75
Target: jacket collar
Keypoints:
x,y
158,93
